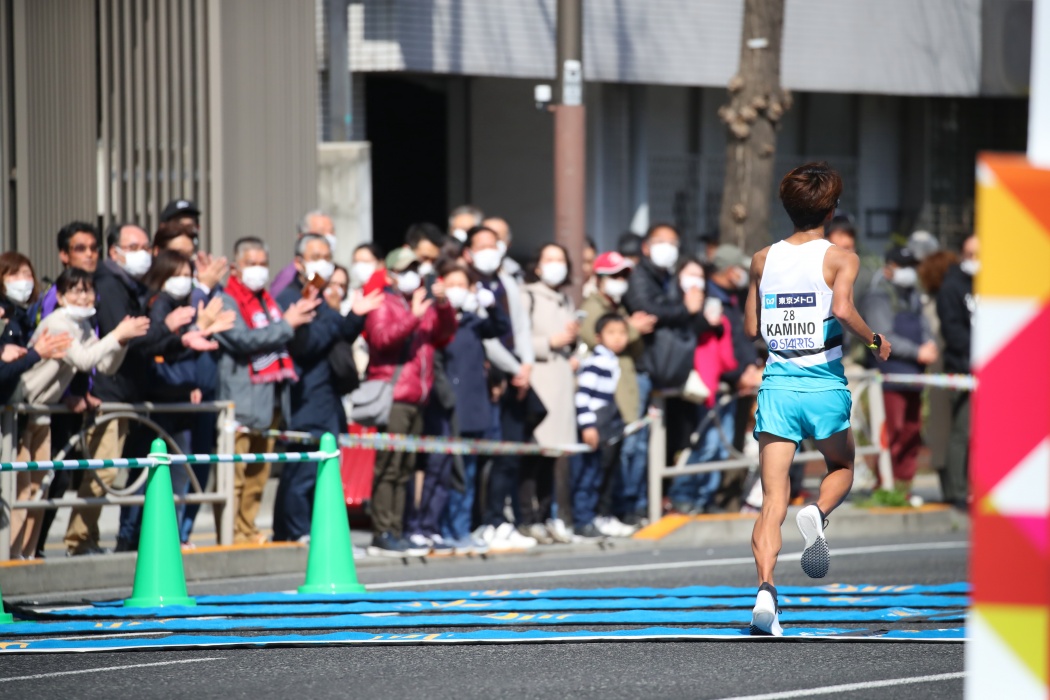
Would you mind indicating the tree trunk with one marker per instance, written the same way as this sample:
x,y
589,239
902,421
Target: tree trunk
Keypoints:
x,y
756,105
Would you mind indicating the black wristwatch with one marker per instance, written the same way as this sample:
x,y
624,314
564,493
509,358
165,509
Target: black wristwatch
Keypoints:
x,y
876,342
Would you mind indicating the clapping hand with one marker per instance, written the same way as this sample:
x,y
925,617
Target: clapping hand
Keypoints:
x,y
366,304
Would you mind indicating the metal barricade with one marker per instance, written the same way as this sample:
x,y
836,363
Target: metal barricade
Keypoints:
x,y
222,499
869,426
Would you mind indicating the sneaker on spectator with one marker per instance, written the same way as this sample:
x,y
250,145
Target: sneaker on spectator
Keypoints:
x,y
589,531
485,533
538,533
462,545
441,548
387,545
508,538
610,526
419,543
559,531
480,546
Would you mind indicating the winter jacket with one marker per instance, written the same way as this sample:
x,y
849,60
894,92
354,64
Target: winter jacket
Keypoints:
x,y
48,380
715,357
120,296
465,367
16,332
896,312
552,377
174,375
395,336
514,349
743,349
955,307
597,305
255,402
315,405
655,291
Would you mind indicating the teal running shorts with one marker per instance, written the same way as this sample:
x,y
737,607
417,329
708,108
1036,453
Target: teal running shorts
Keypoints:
x,y
796,415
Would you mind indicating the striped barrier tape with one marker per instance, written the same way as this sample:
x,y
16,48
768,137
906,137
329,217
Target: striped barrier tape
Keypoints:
x,y
958,382
155,460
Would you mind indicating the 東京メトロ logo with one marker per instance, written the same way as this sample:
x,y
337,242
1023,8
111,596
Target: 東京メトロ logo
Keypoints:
x,y
793,300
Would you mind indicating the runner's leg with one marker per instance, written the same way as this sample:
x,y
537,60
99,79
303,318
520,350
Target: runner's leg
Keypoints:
x,y
838,451
775,455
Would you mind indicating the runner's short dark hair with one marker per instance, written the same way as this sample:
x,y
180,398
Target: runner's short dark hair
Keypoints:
x,y
809,193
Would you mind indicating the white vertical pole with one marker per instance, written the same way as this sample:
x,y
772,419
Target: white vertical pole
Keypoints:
x,y
1039,93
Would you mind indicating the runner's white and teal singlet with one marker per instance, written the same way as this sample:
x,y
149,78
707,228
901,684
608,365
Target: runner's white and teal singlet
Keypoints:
x,y
795,320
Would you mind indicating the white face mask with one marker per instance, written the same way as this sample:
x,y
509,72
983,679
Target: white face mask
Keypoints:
x,y
470,304
321,268
137,262
79,313
361,272
664,255
487,261
743,278
255,277
457,296
330,237
614,288
905,277
178,287
502,248
713,310
407,282
425,268
970,267
19,291
553,273
460,235
688,282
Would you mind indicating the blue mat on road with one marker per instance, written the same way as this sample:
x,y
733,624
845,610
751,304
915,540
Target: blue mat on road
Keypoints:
x,y
627,617
960,588
15,646
512,605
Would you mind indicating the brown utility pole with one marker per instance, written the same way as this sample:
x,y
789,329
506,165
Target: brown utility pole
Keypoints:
x,y
756,105
570,139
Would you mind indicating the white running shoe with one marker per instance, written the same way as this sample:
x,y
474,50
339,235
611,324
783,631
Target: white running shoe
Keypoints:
x,y
559,531
419,542
816,557
765,617
485,533
538,533
508,538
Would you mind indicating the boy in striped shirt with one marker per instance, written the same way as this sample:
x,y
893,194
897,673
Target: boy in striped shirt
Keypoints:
x,y
600,421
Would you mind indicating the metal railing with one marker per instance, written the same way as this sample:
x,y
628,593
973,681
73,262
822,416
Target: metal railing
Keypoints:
x,y
869,426
221,499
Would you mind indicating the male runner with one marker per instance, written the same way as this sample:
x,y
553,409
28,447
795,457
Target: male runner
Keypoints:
x,y
801,297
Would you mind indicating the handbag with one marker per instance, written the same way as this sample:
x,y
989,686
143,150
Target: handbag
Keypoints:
x,y
669,358
695,391
373,400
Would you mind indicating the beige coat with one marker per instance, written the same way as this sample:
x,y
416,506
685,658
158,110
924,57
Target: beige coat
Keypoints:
x,y
47,380
552,376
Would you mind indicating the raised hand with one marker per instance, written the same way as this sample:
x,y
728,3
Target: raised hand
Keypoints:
x,y
197,340
12,352
420,303
52,347
180,317
368,303
131,327
302,311
642,322
211,270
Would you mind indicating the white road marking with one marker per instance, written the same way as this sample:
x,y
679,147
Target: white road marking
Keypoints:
x,y
849,687
698,563
36,676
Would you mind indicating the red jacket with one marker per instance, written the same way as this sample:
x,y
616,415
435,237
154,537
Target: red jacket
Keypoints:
x,y
390,327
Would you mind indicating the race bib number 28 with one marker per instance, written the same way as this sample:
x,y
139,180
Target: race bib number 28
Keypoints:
x,y
793,321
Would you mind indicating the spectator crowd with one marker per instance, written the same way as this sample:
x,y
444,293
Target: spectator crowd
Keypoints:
x,y
445,336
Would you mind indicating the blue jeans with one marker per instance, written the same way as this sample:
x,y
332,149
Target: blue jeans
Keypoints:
x,y
459,510
634,461
697,490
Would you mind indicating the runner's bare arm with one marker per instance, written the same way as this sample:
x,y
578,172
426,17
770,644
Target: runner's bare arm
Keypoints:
x,y
752,309
844,266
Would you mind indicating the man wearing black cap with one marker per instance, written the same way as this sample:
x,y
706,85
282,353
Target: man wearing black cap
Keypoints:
x,y
894,303
178,209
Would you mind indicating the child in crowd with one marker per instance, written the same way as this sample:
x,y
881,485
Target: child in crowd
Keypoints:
x,y
599,381
48,380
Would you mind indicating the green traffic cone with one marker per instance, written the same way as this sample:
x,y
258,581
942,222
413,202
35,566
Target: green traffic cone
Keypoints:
x,y
159,578
330,566
5,617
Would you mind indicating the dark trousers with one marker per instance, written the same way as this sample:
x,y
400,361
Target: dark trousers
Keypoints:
x,y
904,431
424,509
505,471
594,477
536,492
955,475
140,439
393,470
294,504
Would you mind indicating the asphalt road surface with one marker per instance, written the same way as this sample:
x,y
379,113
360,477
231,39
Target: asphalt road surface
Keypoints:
x,y
603,670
